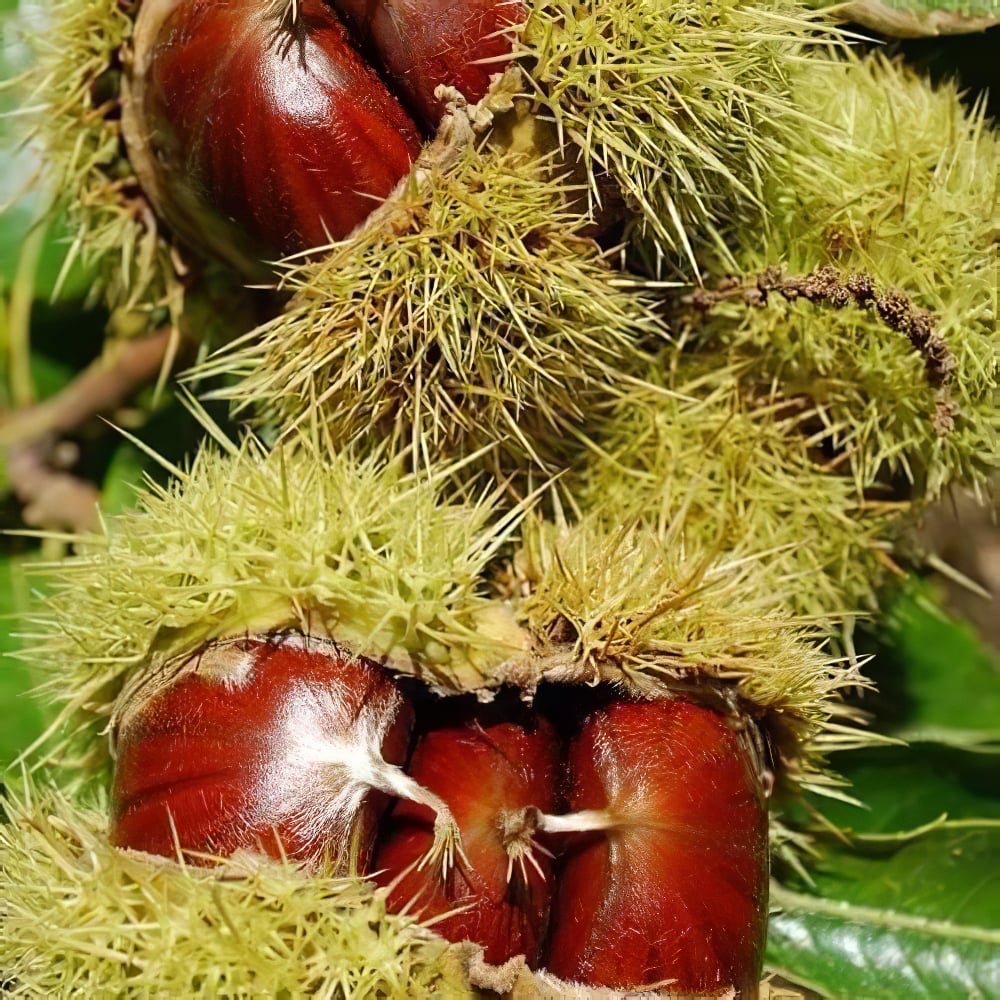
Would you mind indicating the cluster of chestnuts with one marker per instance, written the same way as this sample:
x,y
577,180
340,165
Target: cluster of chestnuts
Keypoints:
x,y
603,835
619,845
598,513
331,104
610,841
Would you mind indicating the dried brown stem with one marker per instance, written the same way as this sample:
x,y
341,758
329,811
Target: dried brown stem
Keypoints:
x,y
829,286
38,463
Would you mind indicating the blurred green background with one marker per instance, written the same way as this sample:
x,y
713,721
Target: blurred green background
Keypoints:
x,y
901,895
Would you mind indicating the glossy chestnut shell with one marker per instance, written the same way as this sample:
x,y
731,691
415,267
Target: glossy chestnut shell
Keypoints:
x,y
255,748
424,44
676,893
483,770
259,129
627,851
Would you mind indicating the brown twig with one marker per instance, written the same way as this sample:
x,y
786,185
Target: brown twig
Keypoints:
x,y
829,286
52,498
100,388
38,463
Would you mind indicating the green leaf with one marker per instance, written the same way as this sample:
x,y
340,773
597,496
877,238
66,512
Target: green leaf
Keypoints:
x,y
904,909
124,477
918,923
23,716
937,682
906,787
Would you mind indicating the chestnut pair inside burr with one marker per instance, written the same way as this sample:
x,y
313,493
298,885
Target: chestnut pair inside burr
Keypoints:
x,y
262,129
619,844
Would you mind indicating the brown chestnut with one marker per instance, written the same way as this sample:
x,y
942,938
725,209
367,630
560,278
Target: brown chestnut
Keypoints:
x,y
486,770
423,44
664,881
286,746
256,129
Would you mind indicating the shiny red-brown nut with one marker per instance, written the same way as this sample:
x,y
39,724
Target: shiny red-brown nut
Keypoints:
x,y
485,772
255,135
675,891
423,44
272,746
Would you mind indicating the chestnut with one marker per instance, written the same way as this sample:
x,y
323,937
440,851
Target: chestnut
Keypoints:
x,y
289,745
423,44
664,881
284,745
256,129
497,894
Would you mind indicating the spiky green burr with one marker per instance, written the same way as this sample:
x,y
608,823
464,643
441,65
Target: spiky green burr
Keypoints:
x,y
684,106
73,91
850,372
472,310
712,487
475,308
744,469
81,917
905,194
71,117
398,566
715,75
301,537
408,570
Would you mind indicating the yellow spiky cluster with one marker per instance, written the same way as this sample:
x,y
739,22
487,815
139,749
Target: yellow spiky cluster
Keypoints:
x,y
410,570
71,95
501,452
400,566
683,105
73,91
745,470
906,195
249,929
249,540
473,310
